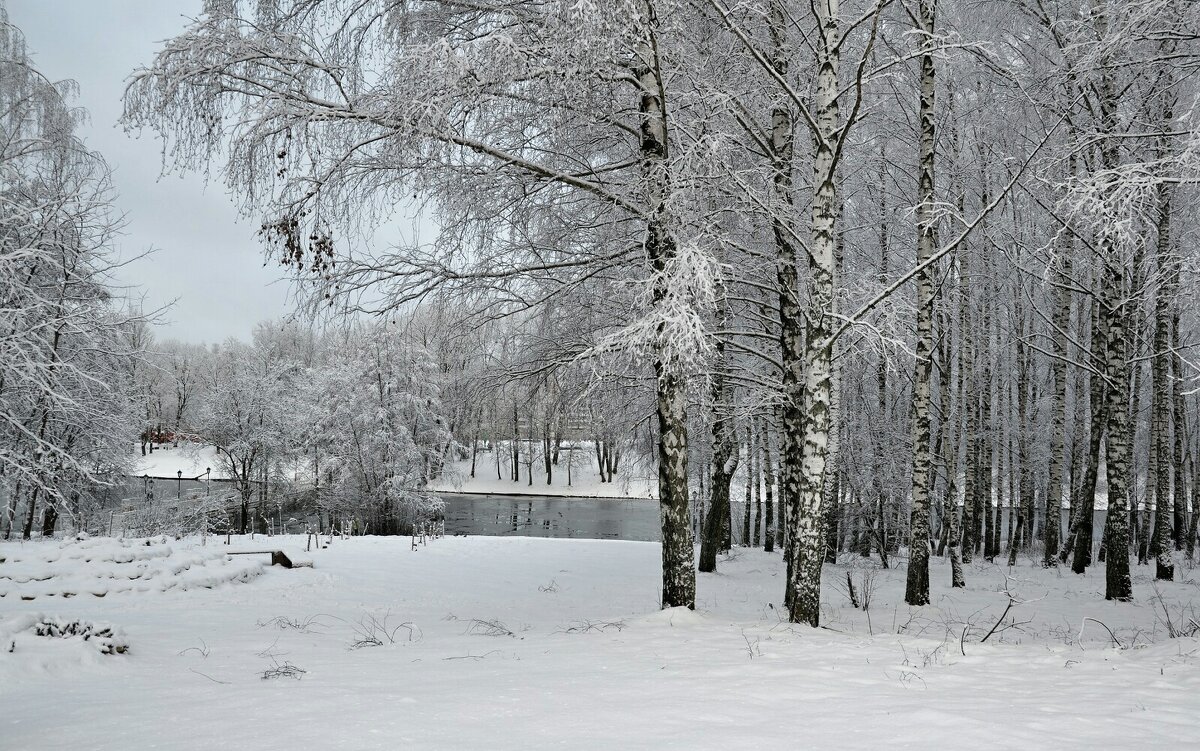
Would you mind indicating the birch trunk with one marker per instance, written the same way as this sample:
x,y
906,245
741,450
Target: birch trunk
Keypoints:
x,y
1118,585
1160,422
516,444
806,462
965,366
971,486
876,525
1138,330
945,450
985,523
725,456
832,500
751,484
962,531
1180,430
1081,524
1058,368
832,491
678,553
1021,537
916,590
791,329
769,489
1190,542
1024,438
758,501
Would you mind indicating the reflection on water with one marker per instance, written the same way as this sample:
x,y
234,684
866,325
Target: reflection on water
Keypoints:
x,y
590,518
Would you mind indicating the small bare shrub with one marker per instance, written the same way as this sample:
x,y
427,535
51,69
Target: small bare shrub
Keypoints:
x,y
1188,624
303,625
375,632
282,670
860,594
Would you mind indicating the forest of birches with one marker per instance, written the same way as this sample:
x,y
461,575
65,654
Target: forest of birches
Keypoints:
x,y
905,278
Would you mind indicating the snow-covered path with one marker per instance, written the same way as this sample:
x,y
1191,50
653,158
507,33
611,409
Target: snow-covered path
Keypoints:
x,y
591,662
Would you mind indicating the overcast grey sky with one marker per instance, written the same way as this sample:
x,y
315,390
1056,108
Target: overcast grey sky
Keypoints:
x,y
207,259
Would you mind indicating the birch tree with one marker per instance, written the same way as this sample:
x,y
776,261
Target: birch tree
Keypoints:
x,y
917,587
325,108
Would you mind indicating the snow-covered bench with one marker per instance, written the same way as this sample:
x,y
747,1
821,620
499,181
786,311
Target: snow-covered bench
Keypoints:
x,y
278,558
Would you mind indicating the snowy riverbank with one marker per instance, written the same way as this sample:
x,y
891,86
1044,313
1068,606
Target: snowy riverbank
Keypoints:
x,y
192,459
633,480
497,640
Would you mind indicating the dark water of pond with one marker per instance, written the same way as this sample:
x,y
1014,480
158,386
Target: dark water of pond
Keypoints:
x,y
590,518
541,516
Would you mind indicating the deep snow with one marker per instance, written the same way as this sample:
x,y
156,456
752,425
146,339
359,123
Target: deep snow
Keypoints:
x,y
515,643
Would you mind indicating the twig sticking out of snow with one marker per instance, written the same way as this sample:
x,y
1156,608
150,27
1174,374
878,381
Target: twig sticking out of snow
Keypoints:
x,y
853,595
1115,640
471,656
489,628
204,675
1013,599
1007,608
202,650
583,627
752,646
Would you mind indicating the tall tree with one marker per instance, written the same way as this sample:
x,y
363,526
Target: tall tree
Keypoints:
x,y
916,590
383,100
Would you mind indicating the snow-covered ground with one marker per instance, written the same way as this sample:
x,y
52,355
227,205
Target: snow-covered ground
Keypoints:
x,y
633,479
517,643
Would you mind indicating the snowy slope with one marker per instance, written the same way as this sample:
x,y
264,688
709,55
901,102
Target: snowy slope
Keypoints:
x,y
103,566
521,643
190,458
